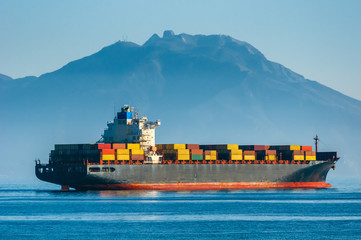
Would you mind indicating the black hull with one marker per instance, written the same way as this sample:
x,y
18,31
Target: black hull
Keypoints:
x,y
187,176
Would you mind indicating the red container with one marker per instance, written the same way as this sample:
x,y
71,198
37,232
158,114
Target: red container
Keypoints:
x,y
254,147
249,152
192,146
137,157
119,146
271,152
310,153
298,152
260,147
197,151
104,146
306,148
108,151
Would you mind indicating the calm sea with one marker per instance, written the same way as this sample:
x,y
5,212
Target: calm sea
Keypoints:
x,y
43,212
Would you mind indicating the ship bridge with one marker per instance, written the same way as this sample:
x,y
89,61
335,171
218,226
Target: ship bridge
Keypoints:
x,y
128,127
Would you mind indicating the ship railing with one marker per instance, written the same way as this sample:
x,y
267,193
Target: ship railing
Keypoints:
x,y
169,162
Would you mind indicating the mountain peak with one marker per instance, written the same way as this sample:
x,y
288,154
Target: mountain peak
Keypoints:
x,y
168,34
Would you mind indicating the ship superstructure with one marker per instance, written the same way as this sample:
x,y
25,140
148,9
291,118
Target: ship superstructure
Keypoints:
x,y
127,127
127,157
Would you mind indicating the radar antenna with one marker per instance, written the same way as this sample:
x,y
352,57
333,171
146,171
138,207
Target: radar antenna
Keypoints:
x,y
316,142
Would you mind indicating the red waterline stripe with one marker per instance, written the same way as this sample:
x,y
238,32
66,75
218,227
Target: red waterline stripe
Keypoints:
x,y
205,186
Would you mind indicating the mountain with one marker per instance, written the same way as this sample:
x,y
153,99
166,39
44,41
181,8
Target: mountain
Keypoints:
x,y
4,77
205,89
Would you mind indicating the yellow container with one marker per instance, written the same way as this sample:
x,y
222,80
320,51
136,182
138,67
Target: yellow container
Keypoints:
x,y
123,157
310,158
299,157
123,151
236,157
249,157
108,157
236,152
176,146
183,151
232,147
213,153
183,157
133,146
271,157
137,151
295,147
210,157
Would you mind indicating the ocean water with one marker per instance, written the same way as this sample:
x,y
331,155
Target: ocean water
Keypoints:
x,y
44,212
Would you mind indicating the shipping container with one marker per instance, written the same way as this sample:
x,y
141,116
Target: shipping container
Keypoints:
x,y
285,147
123,151
137,151
176,146
250,153
119,146
196,151
326,155
306,148
254,147
236,157
197,157
108,151
137,157
133,146
299,157
310,158
123,157
298,152
104,146
310,153
183,157
249,157
183,151
210,157
108,157
270,157
236,152
192,146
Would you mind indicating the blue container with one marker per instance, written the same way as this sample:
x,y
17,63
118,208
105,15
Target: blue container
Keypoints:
x,y
124,115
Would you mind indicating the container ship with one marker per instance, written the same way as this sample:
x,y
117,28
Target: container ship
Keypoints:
x,y
127,158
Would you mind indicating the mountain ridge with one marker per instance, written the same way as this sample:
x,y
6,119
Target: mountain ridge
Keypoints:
x,y
205,89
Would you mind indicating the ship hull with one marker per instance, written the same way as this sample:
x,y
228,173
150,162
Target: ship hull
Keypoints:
x,y
190,176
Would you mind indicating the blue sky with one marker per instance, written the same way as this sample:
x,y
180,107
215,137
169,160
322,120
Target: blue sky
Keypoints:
x,y
318,39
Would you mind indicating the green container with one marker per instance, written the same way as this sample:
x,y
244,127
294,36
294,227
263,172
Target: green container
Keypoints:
x,y
197,157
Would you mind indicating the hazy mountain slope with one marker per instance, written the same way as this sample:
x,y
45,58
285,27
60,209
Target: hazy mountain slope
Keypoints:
x,y
207,89
4,77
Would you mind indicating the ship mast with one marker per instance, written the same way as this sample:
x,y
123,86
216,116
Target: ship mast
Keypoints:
x,y
316,142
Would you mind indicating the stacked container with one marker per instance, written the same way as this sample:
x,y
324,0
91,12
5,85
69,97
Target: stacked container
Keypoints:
x,y
196,154
75,153
270,155
285,147
306,148
236,154
249,155
298,155
254,147
210,155
310,155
